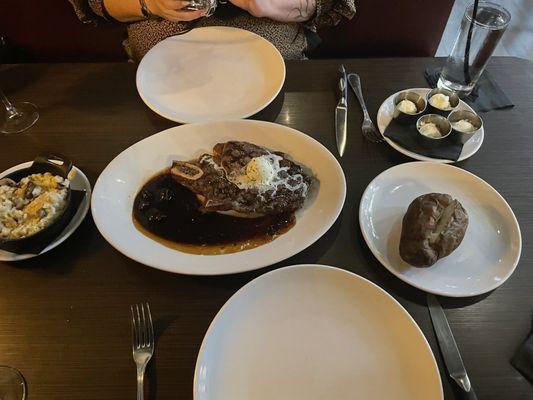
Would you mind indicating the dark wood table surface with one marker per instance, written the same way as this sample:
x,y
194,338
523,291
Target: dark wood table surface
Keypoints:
x,y
64,316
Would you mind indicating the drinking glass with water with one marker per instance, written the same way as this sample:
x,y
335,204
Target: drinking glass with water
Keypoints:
x,y
208,5
482,27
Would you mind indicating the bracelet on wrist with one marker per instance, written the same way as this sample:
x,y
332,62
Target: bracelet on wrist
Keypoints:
x,y
145,10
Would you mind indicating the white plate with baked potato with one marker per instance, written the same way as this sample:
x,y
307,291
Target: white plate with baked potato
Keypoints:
x,y
479,262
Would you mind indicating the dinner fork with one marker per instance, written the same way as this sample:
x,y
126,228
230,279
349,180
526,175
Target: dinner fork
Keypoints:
x,y
142,332
369,130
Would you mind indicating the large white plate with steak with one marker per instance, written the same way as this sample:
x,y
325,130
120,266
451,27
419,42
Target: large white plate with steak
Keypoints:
x,y
219,197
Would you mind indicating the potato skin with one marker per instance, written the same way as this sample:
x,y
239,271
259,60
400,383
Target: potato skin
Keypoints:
x,y
424,240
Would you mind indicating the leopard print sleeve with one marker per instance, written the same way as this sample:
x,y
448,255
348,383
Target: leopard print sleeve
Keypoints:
x,y
330,13
97,6
89,11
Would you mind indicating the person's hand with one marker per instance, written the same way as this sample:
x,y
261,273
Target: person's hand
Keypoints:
x,y
279,10
173,10
258,8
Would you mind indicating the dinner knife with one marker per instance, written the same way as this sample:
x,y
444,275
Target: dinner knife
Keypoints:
x,y
448,347
341,112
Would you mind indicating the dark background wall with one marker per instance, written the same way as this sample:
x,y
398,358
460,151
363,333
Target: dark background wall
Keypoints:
x,y
49,31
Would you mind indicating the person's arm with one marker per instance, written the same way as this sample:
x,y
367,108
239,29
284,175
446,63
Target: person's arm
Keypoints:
x,y
130,10
279,10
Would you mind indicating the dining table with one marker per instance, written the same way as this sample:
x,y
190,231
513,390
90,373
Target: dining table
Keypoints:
x,y
65,316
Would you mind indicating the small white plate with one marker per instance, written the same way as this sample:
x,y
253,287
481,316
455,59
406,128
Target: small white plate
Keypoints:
x,y
210,74
78,181
122,179
490,249
312,332
386,111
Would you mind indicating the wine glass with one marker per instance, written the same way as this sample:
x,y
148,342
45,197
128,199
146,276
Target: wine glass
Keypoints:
x,y
12,384
17,117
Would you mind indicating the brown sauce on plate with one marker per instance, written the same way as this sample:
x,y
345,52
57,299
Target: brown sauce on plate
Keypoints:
x,y
169,213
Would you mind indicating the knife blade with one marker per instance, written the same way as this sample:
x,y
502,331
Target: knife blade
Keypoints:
x,y
341,112
448,347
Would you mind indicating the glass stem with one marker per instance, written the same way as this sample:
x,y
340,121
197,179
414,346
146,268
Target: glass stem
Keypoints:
x,y
11,111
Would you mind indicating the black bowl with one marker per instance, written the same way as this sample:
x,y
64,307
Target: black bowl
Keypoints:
x,y
56,164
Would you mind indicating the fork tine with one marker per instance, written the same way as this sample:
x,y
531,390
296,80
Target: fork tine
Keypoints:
x,y
134,333
373,137
150,326
366,134
370,132
144,326
139,326
376,134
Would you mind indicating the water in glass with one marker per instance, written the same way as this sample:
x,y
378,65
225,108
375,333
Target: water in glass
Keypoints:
x,y
474,47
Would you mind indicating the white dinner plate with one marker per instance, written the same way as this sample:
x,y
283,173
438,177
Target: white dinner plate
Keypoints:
x,y
312,332
386,111
78,181
121,180
489,252
210,74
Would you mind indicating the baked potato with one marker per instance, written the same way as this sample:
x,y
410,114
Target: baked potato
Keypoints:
x,y
432,228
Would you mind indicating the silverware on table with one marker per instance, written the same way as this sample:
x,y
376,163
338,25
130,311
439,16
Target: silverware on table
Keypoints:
x,y
143,342
369,130
448,347
341,112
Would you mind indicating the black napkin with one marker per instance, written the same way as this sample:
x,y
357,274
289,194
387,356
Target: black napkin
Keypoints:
x,y
406,136
523,358
486,96
76,197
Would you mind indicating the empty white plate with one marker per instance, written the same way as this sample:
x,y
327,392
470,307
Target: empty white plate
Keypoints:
x,y
122,179
210,74
78,181
384,118
312,332
489,252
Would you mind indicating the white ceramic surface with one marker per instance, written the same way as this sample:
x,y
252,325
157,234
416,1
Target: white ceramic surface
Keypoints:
x,y
78,182
384,118
210,74
489,252
118,184
313,332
